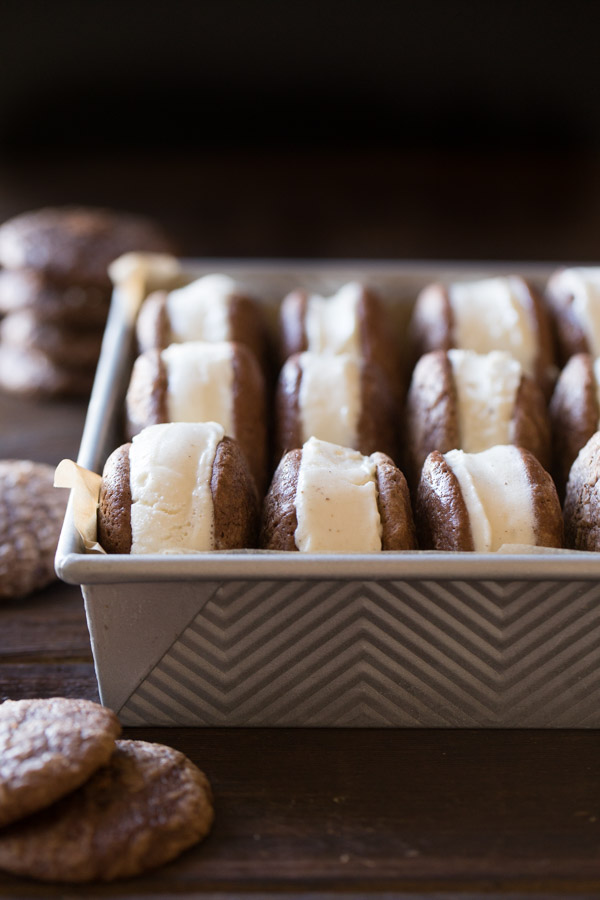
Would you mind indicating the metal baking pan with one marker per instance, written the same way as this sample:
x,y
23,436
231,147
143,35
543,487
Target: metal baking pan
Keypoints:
x,y
257,638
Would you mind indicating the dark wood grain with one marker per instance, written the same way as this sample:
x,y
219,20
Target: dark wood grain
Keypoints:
x,y
44,679
40,430
382,811
50,626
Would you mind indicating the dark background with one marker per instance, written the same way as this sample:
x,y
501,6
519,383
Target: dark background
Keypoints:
x,y
447,129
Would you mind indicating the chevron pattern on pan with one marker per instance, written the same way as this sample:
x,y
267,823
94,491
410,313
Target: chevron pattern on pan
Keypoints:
x,y
383,653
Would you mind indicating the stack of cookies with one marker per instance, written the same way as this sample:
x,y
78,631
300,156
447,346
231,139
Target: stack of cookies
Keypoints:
x,y
77,804
31,515
55,293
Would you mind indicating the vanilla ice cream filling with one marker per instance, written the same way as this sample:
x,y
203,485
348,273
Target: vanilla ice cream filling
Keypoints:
x,y
332,324
494,314
200,383
583,283
486,391
336,501
329,398
497,493
170,472
200,311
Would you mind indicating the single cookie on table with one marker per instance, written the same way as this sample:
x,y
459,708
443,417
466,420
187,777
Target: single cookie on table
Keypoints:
x,y
353,321
503,313
582,500
71,306
75,245
574,412
177,488
481,501
213,308
202,382
71,347
340,399
573,298
459,399
32,373
49,748
326,498
31,516
143,808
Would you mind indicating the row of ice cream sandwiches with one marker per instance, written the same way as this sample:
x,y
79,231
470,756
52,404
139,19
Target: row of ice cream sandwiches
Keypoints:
x,y
498,313
186,488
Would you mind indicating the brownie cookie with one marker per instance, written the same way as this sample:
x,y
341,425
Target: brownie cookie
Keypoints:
x,y
573,298
201,382
326,498
144,807
48,748
351,321
213,308
31,516
67,347
177,488
71,306
574,412
76,244
340,399
582,499
459,399
481,501
503,313
33,374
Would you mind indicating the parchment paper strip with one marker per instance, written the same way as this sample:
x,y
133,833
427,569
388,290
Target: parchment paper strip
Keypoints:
x,y
86,490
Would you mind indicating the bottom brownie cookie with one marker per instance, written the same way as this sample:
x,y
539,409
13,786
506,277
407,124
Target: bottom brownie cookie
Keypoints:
x,y
48,748
142,809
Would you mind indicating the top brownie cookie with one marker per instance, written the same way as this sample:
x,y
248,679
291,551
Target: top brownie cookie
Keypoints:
x,y
76,244
48,748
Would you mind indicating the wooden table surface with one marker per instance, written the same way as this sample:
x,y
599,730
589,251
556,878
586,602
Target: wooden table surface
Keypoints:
x,y
320,812
317,811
